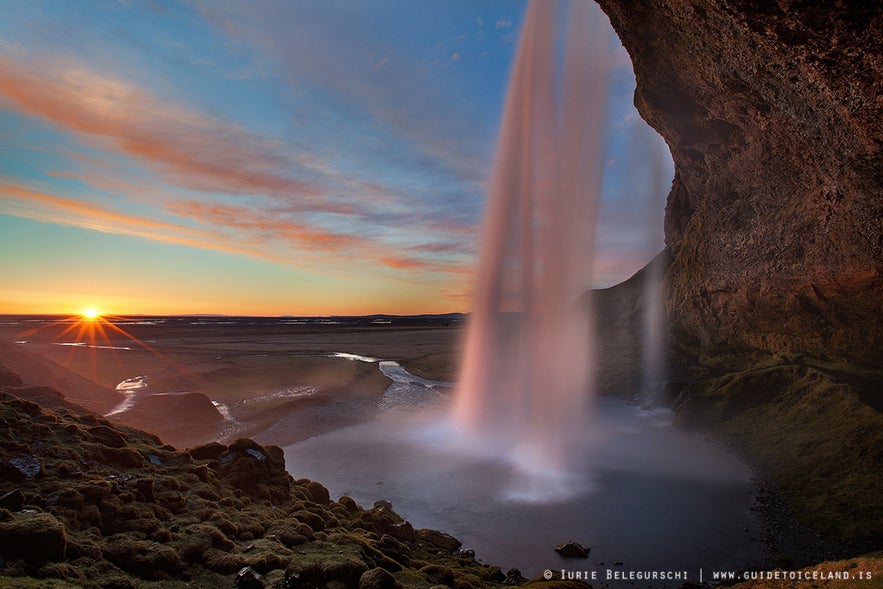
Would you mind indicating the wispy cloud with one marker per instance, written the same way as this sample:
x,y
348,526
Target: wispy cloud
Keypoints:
x,y
22,201
231,229
203,154
188,148
276,227
337,52
264,226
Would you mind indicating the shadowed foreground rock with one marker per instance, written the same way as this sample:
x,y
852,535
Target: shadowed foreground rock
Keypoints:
x,y
114,507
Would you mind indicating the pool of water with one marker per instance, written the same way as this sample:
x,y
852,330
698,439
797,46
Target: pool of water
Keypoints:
x,y
648,498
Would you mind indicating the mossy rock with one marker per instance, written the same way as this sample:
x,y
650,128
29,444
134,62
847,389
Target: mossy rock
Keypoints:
x,y
438,575
30,583
325,564
143,558
197,538
286,535
318,493
210,451
35,537
393,549
325,573
349,503
107,436
316,522
439,541
119,457
378,578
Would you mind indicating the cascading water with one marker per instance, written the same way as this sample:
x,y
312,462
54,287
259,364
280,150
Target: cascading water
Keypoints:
x,y
653,344
521,411
524,390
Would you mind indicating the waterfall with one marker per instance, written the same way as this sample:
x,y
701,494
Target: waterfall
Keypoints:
x,y
524,391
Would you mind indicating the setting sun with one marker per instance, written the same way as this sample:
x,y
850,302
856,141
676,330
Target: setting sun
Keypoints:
x,y
91,314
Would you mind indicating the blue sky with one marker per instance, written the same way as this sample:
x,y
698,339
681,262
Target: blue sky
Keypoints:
x,y
308,157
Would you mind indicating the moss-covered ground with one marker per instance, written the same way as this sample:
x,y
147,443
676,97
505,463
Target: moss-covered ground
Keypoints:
x,y
89,504
815,429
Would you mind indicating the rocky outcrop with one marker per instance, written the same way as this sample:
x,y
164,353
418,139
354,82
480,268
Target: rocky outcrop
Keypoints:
x,y
111,506
774,117
773,112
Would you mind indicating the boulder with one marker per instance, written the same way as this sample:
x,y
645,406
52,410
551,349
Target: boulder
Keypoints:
x,y
13,500
378,579
35,537
210,451
247,578
22,467
438,540
572,549
318,493
143,558
308,574
107,436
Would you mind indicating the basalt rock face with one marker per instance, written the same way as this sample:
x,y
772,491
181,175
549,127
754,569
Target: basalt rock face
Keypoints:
x,y
773,112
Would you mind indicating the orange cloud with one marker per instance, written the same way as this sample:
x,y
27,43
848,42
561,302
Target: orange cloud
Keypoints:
x,y
21,201
190,149
266,226
404,263
254,233
307,237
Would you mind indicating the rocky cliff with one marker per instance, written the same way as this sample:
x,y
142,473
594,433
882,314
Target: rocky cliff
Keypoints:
x,y
772,111
774,227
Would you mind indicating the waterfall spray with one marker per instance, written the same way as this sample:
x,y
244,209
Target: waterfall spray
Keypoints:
x,y
524,390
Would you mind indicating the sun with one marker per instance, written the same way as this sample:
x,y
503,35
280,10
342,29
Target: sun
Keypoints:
x,y
91,314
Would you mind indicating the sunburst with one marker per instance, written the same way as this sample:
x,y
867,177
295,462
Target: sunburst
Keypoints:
x,y
91,328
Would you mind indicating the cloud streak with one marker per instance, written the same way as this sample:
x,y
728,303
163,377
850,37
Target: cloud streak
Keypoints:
x,y
21,201
188,148
268,227
201,153
232,229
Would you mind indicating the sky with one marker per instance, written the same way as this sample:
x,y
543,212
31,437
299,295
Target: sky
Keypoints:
x,y
321,157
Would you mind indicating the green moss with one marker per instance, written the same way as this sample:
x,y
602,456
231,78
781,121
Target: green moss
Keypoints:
x,y
31,583
809,427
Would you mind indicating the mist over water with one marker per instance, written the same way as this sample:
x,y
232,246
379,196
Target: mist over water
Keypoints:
x,y
660,499
525,386
504,462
